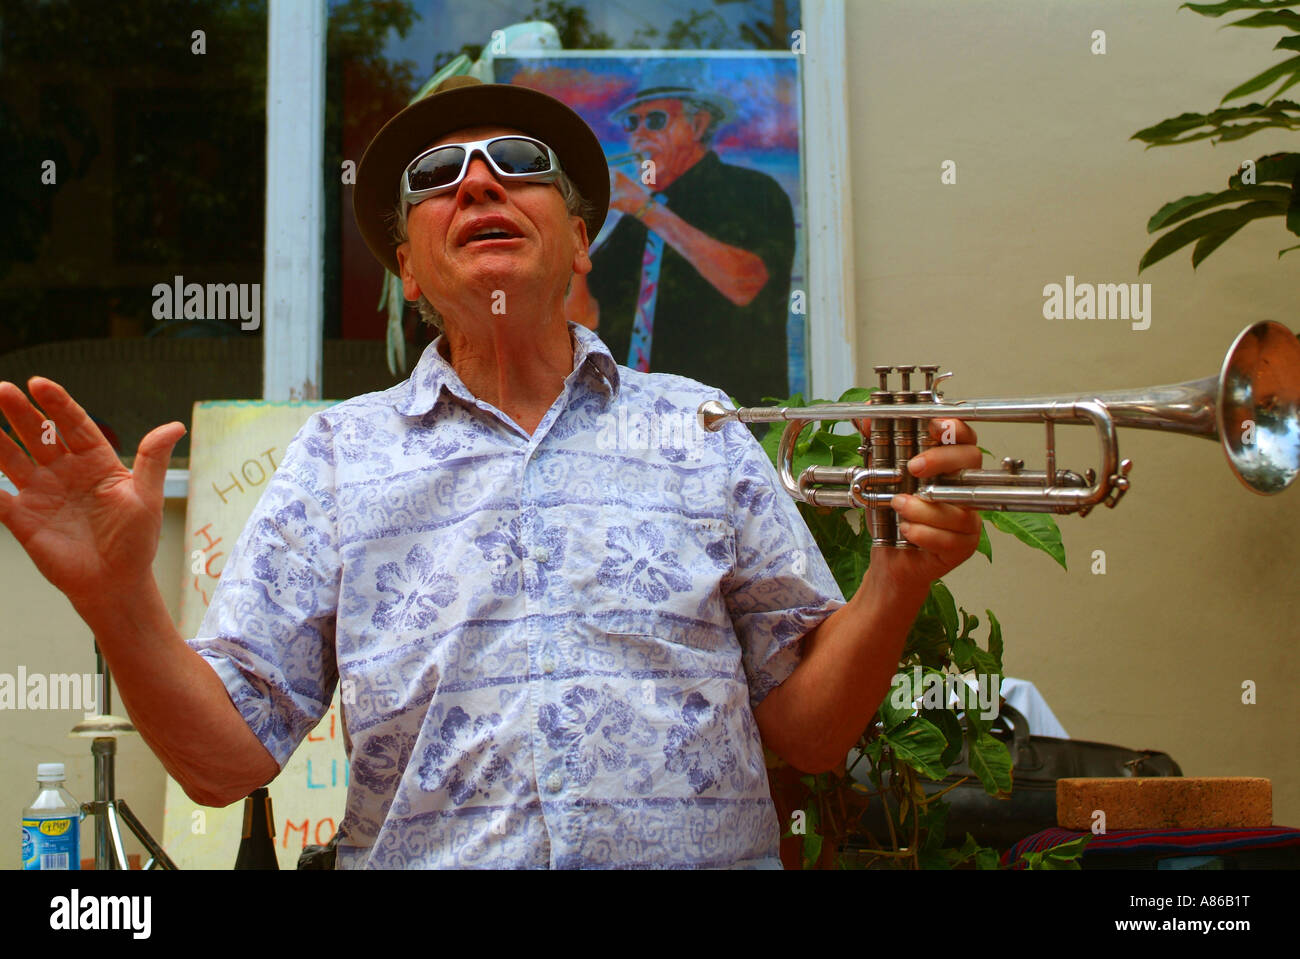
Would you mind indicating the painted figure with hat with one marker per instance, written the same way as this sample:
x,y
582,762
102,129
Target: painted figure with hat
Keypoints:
x,y
694,279
559,645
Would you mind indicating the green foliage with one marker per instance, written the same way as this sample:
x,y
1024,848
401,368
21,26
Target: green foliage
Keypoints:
x,y
1187,219
1064,856
903,744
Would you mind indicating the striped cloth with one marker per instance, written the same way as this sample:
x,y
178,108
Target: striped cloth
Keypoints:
x,y
1181,842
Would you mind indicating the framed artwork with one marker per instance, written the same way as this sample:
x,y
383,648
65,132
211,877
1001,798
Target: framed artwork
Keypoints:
x,y
700,268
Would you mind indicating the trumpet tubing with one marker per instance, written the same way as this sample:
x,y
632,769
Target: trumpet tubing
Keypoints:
x,y
1252,408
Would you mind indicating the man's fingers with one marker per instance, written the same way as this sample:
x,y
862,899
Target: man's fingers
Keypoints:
x,y
14,463
76,427
942,516
950,432
30,424
153,455
937,540
945,459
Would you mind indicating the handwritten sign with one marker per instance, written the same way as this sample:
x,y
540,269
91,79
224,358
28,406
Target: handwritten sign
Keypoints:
x,y
235,449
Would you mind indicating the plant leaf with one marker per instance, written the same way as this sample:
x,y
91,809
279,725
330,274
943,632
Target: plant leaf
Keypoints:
x,y
1038,530
1279,18
990,760
1273,168
901,689
947,608
1262,80
919,743
995,638
947,723
985,545
1208,244
1188,206
1210,223
1232,6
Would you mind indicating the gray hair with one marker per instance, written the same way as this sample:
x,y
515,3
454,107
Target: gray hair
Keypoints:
x,y
574,202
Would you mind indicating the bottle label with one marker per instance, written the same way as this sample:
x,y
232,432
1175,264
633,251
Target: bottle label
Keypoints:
x,y
51,843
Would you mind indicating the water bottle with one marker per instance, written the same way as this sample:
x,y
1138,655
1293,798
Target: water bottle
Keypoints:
x,y
52,823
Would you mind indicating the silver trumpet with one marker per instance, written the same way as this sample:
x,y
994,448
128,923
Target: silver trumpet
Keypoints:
x,y
1252,407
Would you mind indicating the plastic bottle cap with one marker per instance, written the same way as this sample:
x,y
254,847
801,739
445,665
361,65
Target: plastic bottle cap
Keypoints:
x,y
49,772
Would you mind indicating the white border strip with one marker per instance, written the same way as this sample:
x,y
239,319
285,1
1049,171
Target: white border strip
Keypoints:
x,y
294,277
832,332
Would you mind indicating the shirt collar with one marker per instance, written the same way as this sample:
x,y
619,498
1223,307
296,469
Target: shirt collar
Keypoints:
x,y
418,394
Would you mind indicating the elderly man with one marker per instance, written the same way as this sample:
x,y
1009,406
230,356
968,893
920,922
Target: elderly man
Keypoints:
x,y
550,654
695,277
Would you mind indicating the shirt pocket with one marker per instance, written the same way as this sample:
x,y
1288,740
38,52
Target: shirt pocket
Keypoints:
x,y
653,572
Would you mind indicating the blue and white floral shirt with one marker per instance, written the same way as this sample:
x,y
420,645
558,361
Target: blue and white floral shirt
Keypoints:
x,y
550,646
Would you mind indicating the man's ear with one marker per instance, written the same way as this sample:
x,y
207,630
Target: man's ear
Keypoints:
x,y
410,286
581,256
700,123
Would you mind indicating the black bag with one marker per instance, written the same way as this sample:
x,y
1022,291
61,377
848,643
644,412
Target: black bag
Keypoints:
x,y
1037,763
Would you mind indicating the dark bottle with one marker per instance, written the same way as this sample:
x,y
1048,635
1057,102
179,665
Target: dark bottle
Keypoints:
x,y
257,847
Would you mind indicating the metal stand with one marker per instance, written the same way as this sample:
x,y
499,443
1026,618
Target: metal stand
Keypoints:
x,y
109,810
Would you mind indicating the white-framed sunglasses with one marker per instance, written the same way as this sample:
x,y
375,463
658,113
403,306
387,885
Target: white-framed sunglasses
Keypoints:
x,y
511,157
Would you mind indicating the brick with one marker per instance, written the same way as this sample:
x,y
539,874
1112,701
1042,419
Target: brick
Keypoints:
x,y
1160,802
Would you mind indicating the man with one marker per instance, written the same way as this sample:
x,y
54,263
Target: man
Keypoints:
x,y
695,278
551,654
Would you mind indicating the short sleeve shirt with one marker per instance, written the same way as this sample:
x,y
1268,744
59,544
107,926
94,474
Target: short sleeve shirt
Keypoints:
x,y
550,647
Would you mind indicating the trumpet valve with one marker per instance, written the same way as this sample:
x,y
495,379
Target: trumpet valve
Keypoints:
x,y
1119,483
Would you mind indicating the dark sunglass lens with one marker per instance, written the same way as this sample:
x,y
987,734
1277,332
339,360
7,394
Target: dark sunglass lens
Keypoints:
x,y
519,156
656,120
437,169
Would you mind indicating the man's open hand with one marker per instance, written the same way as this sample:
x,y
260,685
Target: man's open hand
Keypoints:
x,y
89,524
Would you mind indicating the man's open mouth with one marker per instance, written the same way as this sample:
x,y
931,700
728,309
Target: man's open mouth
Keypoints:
x,y
488,230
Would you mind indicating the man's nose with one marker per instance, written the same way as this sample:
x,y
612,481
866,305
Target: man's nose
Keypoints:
x,y
480,183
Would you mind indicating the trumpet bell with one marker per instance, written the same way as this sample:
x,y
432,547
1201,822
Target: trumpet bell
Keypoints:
x,y
1258,409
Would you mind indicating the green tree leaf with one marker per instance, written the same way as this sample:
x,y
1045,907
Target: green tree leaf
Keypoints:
x,y
920,744
1286,68
1208,244
990,760
900,689
948,724
995,638
1189,206
1210,223
1279,18
1038,530
947,607
1232,6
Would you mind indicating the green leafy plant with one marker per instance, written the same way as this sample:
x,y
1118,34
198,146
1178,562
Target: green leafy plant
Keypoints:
x,y
902,746
1266,187
1064,856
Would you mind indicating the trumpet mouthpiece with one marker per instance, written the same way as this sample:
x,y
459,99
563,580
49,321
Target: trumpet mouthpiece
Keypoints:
x,y
713,415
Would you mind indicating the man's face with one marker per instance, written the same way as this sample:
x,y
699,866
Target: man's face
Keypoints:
x,y
442,260
675,147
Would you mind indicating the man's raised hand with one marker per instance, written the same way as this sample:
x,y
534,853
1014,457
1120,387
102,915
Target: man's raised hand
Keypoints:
x,y
89,524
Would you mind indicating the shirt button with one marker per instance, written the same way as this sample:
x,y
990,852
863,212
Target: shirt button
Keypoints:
x,y
554,781
541,555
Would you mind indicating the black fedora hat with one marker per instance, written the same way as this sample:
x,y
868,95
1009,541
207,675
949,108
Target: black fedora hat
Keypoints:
x,y
460,102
